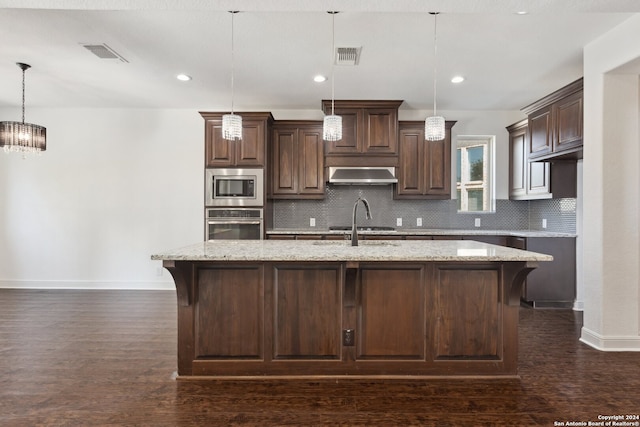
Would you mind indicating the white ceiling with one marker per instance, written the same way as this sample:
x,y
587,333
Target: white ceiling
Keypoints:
x,y
508,60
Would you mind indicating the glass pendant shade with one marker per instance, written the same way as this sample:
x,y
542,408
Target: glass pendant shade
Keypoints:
x,y
232,126
332,128
434,128
22,137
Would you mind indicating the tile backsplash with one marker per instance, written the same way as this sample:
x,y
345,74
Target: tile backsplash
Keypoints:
x,y
337,209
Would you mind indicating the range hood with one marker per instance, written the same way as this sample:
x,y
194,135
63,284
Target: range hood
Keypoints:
x,y
362,175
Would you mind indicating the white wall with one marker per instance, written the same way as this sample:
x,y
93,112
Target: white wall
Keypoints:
x,y
611,203
113,187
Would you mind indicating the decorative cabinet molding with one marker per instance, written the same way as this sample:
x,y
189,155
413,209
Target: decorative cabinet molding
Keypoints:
x,y
424,170
250,151
556,123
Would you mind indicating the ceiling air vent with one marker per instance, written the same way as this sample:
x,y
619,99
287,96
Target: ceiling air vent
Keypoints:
x,y
348,55
104,52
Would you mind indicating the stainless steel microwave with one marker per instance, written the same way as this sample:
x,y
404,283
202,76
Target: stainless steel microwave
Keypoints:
x,y
234,187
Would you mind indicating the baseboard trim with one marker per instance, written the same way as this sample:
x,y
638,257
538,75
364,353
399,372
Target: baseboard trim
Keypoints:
x,y
86,284
609,343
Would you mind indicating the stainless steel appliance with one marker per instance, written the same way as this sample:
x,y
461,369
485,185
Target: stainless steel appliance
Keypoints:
x,y
234,187
241,223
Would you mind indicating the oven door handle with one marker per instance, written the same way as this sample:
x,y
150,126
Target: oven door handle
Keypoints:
x,y
256,222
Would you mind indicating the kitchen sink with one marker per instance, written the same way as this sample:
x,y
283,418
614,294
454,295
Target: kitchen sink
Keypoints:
x,y
360,228
348,243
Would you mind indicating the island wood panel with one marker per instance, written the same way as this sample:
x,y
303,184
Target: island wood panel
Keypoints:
x,y
239,319
308,308
468,313
391,313
229,313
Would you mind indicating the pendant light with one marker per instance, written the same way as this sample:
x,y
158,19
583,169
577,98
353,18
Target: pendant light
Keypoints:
x,y
232,123
434,125
332,125
21,137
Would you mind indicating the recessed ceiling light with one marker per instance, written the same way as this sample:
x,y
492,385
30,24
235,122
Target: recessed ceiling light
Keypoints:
x,y
457,79
521,12
319,78
183,77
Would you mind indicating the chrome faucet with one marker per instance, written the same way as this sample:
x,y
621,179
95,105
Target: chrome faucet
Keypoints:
x,y
354,229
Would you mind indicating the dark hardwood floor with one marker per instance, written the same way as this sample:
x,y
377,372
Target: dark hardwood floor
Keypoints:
x,y
87,358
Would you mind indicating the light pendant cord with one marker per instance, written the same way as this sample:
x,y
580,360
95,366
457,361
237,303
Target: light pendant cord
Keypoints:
x,y
333,59
232,62
435,57
24,68
23,95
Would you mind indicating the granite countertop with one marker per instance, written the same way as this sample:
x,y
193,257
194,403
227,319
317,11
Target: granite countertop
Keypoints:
x,y
431,232
340,250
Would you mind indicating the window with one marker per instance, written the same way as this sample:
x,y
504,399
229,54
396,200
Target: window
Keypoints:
x,y
474,173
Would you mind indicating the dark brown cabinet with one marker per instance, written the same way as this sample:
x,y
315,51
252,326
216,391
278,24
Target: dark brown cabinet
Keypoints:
x,y
554,283
297,160
536,180
368,127
555,124
527,180
250,151
424,170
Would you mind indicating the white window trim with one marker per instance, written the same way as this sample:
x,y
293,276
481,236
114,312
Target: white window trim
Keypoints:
x,y
489,172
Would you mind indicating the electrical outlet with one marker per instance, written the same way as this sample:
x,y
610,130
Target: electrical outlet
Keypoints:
x,y
477,222
419,222
544,222
312,222
399,222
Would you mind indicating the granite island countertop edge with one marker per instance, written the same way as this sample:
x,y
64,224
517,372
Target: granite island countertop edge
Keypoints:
x,y
342,251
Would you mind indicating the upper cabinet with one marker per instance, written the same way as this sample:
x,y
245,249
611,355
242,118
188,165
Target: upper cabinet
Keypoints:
x,y
297,160
368,127
424,170
536,180
250,151
527,180
555,124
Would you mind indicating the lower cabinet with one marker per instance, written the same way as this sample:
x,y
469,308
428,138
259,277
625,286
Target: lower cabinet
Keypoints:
x,y
552,284
345,318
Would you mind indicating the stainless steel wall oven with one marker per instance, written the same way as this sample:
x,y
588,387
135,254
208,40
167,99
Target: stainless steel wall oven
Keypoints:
x,y
240,223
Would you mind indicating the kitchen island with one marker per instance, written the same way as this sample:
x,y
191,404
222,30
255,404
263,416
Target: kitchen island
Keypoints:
x,y
386,309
